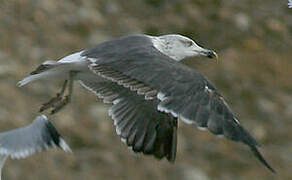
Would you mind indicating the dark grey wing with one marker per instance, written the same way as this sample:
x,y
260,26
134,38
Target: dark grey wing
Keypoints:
x,y
183,92
36,137
137,121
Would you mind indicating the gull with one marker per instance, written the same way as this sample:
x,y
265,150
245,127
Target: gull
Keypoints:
x,y
149,89
26,141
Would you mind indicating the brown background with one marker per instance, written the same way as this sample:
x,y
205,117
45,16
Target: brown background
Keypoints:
x,y
252,38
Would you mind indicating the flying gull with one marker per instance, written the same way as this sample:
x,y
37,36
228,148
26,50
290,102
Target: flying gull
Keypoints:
x,y
23,142
150,89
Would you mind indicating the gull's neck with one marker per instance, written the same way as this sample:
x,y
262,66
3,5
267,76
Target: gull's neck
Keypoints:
x,y
164,47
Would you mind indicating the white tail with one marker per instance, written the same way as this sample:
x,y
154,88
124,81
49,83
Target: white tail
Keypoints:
x,y
56,71
30,78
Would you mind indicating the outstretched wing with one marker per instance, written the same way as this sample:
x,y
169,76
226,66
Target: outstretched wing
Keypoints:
x,y
137,121
38,136
182,91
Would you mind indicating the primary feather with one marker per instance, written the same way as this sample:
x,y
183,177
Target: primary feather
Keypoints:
x,y
36,137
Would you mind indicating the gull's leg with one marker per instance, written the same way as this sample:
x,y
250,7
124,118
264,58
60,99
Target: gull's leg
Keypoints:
x,y
67,99
55,99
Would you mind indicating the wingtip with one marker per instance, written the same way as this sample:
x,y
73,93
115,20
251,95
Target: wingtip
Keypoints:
x,y
262,159
64,146
56,138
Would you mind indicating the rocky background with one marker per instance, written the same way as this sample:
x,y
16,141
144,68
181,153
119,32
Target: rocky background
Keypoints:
x,y
252,38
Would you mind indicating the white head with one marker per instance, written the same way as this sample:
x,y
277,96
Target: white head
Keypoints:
x,y
179,47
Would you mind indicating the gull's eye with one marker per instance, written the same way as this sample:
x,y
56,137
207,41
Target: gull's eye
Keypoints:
x,y
188,43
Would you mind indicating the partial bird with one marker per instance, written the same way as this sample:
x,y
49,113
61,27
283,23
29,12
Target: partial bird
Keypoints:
x,y
141,75
26,141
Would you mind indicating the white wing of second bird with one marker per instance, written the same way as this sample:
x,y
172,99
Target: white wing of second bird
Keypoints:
x,y
36,137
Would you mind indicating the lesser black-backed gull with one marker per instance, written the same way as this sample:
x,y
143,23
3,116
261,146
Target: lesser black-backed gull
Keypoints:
x,y
149,88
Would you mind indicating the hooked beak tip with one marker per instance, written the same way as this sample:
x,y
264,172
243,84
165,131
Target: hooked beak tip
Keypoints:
x,y
212,55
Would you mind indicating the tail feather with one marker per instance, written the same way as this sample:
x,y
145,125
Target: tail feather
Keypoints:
x,y
41,68
44,67
43,71
29,79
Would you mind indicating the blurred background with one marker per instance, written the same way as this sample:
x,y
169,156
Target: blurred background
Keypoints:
x,y
252,37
